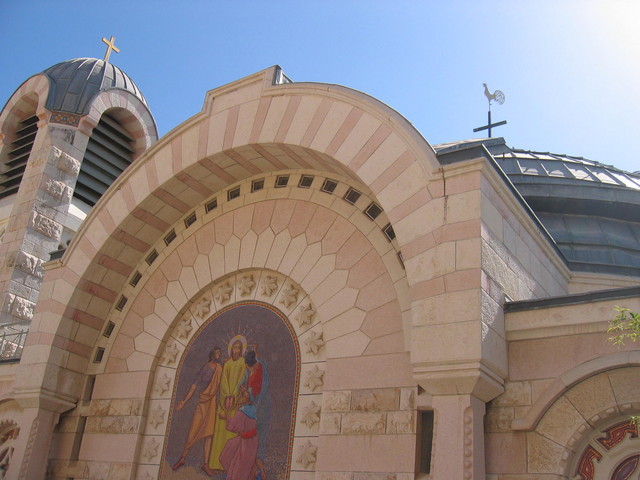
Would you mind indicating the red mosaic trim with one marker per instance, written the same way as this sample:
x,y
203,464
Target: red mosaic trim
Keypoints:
x,y
616,434
65,119
586,468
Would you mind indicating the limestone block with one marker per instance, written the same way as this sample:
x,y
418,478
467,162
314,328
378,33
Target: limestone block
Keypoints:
x,y
23,308
401,422
8,302
132,424
374,476
45,226
593,396
28,264
363,423
67,164
120,471
58,190
515,393
330,423
625,385
499,419
375,400
336,401
543,455
507,452
335,475
560,422
111,425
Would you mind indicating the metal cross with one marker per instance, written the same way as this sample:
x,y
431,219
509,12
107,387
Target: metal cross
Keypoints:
x,y
110,46
490,125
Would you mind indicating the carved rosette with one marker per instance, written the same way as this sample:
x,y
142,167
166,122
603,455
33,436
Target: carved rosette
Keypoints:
x,y
314,343
311,415
307,455
184,328
150,450
305,316
170,355
289,296
223,294
314,379
163,385
156,417
269,285
246,285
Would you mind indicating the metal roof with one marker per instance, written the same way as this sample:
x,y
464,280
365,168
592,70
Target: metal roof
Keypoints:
x,y
74,84
591,210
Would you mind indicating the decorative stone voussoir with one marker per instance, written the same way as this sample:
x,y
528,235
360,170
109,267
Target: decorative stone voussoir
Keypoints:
x,y
311,415
224,293
314,379
314,343
289,296
306,315
246,285
307,455
45,226
269,285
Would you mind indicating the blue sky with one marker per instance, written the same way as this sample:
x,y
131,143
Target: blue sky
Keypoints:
x,y
569,68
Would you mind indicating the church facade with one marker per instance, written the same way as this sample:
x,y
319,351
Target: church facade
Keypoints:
x,y
295,284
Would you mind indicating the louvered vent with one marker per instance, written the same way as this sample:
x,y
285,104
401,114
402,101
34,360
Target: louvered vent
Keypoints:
x,y
108,153
18,156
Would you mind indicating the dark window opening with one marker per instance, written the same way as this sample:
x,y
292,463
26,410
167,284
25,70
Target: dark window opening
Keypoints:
x,y
329,185
17,157
170,237
282,181
233,193
257,185
352,196
212,205
373,211
425,441
108,154
305,181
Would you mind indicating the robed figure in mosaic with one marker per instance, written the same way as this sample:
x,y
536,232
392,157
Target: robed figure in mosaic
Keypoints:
x,y
204,419
232,374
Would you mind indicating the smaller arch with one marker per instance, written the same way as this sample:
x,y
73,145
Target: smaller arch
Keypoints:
x,y
568,380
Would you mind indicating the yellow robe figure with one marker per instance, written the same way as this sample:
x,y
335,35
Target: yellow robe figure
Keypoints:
x,y
232,374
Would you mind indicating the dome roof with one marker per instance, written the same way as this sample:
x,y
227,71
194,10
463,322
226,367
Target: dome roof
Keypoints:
x,y
74,84
591,210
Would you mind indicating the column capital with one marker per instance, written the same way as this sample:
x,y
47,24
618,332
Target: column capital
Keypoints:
x,y
473,379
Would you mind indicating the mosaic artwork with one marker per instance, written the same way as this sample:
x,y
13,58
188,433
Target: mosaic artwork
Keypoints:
x,y
233,407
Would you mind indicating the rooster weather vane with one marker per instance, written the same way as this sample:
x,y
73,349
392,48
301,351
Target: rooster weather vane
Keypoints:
x,y
498,96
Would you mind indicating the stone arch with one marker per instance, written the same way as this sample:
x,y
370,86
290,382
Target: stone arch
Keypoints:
x,y
129,110
29,97
249,287
568,380
597,400
161,174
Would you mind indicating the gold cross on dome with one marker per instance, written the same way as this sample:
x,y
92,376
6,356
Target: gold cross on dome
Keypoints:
x,y
110,46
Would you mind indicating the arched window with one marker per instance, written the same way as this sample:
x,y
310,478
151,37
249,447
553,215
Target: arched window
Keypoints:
x,y
17,155
109,152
